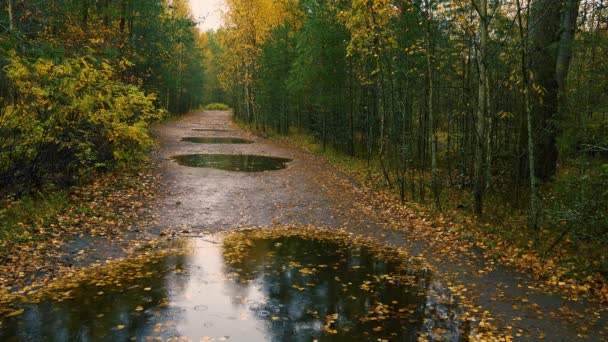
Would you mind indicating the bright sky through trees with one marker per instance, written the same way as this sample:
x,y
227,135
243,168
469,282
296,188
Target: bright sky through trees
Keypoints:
x,y
209,10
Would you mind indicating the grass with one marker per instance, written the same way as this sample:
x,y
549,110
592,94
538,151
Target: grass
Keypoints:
x,y
59,213
27,220
217,106
349,164
503,229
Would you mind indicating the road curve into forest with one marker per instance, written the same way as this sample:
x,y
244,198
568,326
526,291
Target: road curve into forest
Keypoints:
x,y
309,191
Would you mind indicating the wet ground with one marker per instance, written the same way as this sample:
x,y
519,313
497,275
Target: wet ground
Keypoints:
x,y
216,140
242,288
233,162
208,200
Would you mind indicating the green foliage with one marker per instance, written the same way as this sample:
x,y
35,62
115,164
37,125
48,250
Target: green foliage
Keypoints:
x,y
217,106
213,91
69,118
578,202
396,85
24,220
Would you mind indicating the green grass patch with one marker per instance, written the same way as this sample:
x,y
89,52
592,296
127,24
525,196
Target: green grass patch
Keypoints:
x,y
28,219
217,106
365,171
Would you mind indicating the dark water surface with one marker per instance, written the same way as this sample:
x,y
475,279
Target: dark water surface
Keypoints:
x,y
213,130
217,140
233,162
273,289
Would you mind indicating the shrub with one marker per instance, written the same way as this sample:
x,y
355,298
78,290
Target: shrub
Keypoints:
x,y
69,118
217,106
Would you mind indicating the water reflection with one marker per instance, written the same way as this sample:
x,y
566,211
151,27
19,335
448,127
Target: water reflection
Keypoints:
x,y
318,290
214,130
114,313
233,162
217,140
279,289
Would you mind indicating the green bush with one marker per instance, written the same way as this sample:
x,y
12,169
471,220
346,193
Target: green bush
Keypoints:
x,y
578,202
68,118
217,106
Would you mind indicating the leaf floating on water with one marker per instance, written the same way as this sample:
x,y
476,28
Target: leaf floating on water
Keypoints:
x,y
307,270
14,313
163,303
120,327
139,308
147,289
330,322
297,287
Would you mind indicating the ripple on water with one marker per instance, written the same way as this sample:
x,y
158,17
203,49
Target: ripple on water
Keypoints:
x,y
279,288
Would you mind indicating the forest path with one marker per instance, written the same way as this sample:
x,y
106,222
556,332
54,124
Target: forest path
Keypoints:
x,y
309,191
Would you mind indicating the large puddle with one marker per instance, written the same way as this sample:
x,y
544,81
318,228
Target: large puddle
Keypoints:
x,y
233,162
217,140
214,130
250,286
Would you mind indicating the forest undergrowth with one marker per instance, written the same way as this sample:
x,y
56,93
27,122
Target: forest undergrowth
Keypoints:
x,y
37,231
570,268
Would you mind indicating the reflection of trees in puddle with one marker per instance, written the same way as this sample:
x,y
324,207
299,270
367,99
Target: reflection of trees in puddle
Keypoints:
x,y
299,289
217,140
233,162
307,282
129,306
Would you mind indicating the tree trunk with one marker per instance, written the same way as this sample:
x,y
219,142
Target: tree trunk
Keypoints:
x,y
11,20
552,25
482,108
106,13
564,52
430,106
526,92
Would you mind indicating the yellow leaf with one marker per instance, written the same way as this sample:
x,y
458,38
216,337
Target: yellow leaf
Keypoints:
x,y
15,313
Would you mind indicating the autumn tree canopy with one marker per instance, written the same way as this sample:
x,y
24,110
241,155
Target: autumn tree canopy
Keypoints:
x,y
495,101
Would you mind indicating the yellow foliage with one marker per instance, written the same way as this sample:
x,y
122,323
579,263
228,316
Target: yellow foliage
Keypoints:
x,y
248,23
75,112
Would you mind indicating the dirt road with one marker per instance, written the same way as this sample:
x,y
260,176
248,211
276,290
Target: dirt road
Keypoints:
x,y
309,191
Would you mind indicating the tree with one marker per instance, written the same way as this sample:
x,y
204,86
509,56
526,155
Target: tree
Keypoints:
x,y
552,25
481,148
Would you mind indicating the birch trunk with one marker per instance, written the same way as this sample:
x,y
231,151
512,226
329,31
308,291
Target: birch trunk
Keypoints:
x,y
11,20
482,107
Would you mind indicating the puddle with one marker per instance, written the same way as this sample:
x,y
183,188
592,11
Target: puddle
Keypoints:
x,y
213,130
233,162
248,288
217,140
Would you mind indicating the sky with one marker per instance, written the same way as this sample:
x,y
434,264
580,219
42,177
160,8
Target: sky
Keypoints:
x,y
210,10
